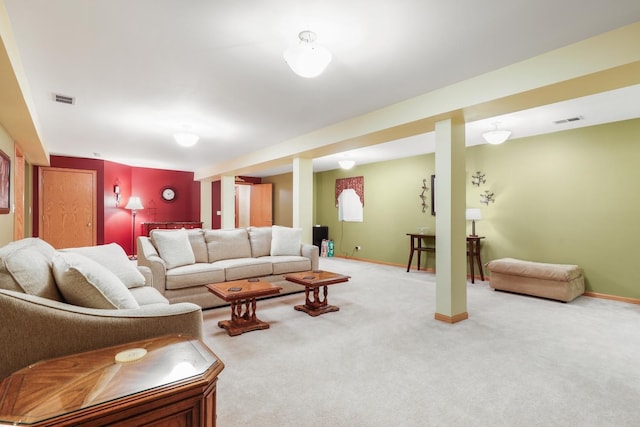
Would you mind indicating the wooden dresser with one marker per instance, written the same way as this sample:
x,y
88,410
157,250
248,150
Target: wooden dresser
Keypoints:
x,y
148,226
173,384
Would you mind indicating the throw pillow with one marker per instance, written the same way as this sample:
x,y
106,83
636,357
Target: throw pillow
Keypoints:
x,y
31,270
285,240
114,258
173,247
85,283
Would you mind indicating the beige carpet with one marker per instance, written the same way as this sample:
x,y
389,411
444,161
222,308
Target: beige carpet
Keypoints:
x,y
382,360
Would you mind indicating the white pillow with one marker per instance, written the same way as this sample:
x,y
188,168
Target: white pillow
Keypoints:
x,y
173,247
285,240
114,258
85,283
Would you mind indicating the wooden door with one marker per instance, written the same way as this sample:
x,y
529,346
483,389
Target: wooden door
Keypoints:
x,y
261,213
68,199
18,195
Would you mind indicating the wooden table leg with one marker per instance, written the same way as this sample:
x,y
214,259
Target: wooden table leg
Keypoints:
x,y
243,321
411,254
316,306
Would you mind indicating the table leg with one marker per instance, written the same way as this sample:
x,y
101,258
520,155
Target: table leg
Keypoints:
x,y
471,256
479,261
316,306
243,321
411,254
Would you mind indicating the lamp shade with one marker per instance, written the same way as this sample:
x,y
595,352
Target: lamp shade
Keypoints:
x,y
473,214
134,203
496,137
186,139
307,59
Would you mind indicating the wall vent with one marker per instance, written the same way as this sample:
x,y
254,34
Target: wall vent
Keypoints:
x,y
63,99
569,120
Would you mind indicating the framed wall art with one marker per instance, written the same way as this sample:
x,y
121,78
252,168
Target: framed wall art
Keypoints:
x,y
5,175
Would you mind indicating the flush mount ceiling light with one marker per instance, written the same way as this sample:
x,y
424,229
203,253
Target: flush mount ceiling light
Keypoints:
x,y
496,136
307,59
346,164
186,139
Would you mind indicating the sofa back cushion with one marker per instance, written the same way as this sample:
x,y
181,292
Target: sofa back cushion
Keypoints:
x,y
173,247
260,240
25,266
198,245
285,240
115,259
227,244
85,283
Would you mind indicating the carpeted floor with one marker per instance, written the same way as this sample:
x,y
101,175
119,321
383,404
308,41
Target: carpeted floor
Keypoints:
x,y
382,360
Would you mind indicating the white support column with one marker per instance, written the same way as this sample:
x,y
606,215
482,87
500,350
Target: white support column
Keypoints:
x,y
451,268
205,203
228,201
303,197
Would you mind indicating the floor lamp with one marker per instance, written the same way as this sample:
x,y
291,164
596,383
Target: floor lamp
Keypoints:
x,y
134,204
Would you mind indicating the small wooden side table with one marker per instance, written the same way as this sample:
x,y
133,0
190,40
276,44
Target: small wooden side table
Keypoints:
x,y
312,282
416,241
473,253
241,293
173,383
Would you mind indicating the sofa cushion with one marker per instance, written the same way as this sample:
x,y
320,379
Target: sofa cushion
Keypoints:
x,y
198,245
244,268
173,247
147,295
227,244
260,240
197,274
284,264
25,266
114,258
285,240
86,283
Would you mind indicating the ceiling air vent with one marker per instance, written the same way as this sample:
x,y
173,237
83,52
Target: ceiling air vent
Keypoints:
x,y
64,99
569,120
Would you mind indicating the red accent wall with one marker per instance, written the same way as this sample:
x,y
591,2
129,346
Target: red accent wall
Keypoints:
x,y
114,222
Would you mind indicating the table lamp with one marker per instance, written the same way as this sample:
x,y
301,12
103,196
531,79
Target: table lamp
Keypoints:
x,y
134,204
473,214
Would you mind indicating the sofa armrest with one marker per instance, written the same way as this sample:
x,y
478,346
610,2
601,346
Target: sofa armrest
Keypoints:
x,y
312,252
149,257
36,328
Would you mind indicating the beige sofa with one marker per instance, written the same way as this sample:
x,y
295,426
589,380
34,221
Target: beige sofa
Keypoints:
x,y
55,303
183,261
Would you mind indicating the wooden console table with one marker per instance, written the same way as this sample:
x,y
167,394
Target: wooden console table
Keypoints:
x,y
173,384
172,225
473,251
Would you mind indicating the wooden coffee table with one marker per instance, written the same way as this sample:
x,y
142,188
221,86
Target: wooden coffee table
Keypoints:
x,y
314,280
241,293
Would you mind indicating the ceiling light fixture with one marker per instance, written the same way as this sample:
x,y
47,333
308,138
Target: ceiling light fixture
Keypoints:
x,y
346,164
496,136
307,59
186,139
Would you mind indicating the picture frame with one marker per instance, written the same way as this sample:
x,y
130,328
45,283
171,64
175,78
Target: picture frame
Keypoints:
x,y
433,195
5,179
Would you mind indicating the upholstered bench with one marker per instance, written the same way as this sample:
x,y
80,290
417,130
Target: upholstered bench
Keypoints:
x,y
554,281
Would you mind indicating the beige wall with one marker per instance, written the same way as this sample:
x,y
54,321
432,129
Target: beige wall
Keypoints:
x,y
566,197
6,220
282,198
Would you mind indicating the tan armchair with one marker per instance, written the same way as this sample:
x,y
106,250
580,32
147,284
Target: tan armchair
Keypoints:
x,y
37,322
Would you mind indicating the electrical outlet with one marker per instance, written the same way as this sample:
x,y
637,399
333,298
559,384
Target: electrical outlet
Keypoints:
x,y
358,248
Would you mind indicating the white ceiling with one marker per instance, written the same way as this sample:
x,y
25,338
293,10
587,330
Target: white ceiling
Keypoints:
x,y
142,70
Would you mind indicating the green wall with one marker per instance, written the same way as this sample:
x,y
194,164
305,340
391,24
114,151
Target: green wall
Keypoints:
x,y
565,197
